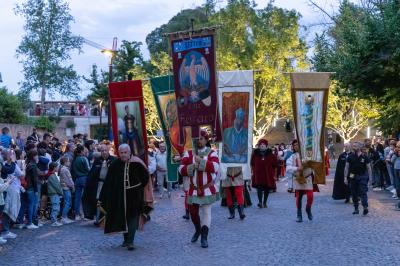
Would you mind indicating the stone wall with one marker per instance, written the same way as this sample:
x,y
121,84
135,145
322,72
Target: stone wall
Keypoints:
x,y
27,130
83,124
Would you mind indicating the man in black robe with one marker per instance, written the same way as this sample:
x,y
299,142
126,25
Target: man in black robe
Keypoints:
x,y
122,195
95,182
340,189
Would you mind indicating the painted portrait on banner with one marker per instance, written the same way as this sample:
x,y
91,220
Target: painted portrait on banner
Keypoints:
x,y
235,115
309,123
170,116
130,126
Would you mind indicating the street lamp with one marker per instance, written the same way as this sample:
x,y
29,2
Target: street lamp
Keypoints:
x,y
111,54
100,105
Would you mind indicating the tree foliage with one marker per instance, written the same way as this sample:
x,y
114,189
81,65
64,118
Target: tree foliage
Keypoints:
x,y
347,116
44,122
10,107
249,38
129,64
128,55
267,41
46,47
98,86
362,47
182,21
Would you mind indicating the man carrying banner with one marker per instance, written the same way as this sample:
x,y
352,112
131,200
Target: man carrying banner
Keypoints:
x,y
201,167
233,184
302,182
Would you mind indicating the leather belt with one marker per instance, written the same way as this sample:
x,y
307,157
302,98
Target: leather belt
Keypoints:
x,y
234,176
204,187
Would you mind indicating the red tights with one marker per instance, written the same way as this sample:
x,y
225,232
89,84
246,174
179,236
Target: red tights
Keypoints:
x,y
238,190
299,197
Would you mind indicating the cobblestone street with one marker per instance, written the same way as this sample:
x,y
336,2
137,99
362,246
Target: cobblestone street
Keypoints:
x,y
266,237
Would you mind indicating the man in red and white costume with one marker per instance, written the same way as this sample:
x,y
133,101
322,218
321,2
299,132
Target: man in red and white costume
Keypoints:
x,y
201,167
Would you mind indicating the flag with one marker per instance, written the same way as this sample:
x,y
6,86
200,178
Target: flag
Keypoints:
x,y
310,102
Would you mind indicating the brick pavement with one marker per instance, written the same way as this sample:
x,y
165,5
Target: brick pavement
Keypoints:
x,y
266,237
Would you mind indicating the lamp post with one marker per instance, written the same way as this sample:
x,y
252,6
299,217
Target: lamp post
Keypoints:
x,y
111,54
100,105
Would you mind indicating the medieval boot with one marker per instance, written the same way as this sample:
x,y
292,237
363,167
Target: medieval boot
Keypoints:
x,y
204,235
186,216
241,212
197,233
356,211
309,214
365,211
299,216
231,213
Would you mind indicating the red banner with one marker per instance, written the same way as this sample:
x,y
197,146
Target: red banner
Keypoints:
x,y
127,114
193,59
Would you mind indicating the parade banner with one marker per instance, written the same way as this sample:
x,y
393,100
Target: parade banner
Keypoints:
x,y
127,114
164,97
193,60
310,102
235,93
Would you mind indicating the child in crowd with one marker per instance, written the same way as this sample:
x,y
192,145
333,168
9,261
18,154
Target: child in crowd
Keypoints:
x,y
54,191
68,187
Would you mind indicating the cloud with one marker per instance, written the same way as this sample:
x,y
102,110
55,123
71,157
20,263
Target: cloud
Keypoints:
x,y
100,21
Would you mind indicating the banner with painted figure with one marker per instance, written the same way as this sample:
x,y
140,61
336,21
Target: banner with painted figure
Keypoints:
x,y
127,114
193,60
235,92
310,102
164,97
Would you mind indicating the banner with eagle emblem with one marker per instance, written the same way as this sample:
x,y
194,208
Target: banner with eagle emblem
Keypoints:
x,y
193,60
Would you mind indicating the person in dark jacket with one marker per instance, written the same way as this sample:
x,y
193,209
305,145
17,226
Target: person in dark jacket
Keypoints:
x,y
79,170
340,189
358,168
96,178
32,179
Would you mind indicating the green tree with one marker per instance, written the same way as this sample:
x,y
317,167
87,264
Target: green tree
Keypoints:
x,y
10,107
157,43
128,55
267,41
46,46
347,116
99,86
362,47
25,100
160,64
44,122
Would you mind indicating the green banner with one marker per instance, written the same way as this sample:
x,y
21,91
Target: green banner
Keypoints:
x,y
164,97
